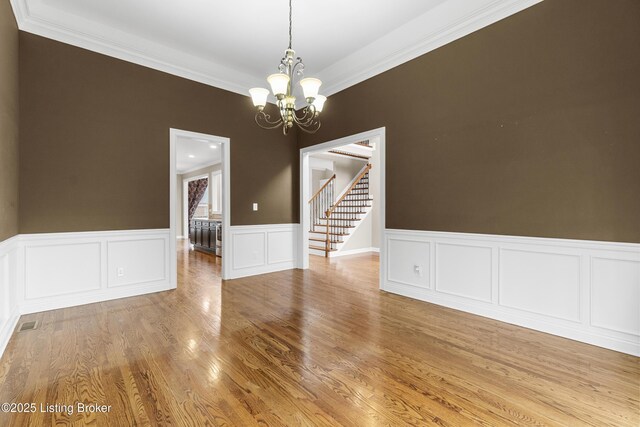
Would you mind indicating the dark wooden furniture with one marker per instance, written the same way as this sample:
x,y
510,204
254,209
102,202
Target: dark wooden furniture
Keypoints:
x,y
202,235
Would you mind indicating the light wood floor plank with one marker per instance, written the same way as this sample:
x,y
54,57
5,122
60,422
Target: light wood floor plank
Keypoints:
x,y
321,347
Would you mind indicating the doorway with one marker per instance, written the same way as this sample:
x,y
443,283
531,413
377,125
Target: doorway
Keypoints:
x,y
306,188
218,178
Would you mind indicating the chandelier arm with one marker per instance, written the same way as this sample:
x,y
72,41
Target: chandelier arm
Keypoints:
x,y
305,122
313,110
301,119
308,129
265,118
302,122
310,113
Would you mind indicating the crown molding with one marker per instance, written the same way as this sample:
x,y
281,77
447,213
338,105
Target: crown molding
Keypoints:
x,y
443,24
142,52
392,49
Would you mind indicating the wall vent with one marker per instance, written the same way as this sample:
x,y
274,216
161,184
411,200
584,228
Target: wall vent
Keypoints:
x,y
28,326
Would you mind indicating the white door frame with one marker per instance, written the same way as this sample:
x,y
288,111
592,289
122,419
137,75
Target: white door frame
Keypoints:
x,y
305,217
225,145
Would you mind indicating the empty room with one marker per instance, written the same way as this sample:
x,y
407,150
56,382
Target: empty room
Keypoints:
x,y
336,213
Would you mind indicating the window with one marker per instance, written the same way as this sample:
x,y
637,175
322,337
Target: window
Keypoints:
x,y
216,192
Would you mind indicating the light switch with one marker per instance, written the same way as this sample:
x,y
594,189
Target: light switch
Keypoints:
x,y
255,206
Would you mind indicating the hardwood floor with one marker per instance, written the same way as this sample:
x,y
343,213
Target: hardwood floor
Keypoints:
x,y
298,348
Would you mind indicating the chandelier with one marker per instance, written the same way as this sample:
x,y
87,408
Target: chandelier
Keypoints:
x,y
282,84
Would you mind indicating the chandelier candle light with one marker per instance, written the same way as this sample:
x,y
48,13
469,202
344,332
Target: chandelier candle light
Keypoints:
x,y
281,85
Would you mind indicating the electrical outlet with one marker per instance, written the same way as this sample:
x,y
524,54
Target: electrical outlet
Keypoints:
x,y
418,270
120,272
255,206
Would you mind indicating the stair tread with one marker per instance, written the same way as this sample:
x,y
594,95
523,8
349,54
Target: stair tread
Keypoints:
x,y
323,240
330,234
333,214
355,206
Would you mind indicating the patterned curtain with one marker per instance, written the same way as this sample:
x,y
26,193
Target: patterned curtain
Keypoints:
x,y
196,192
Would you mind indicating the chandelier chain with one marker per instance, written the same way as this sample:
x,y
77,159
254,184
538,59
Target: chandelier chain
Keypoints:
x,y
290,22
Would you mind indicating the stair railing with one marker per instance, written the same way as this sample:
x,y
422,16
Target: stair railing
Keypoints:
x,y
332,226
322,201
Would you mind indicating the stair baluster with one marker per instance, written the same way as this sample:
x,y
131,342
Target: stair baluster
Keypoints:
x,y
349,215
340,215
321,202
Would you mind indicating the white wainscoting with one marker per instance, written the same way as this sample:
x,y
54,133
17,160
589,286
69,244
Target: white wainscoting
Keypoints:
x,y
40,272
258,249
67,269
9,311
588,291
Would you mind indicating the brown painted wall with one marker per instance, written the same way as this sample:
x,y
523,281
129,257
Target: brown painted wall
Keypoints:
x,y
528,127
94,149
8,122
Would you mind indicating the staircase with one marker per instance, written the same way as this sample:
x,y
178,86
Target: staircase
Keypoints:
x,y
333,219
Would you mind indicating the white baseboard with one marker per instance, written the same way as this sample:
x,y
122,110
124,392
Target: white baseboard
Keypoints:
x,y
72,300
6,330
259,249
588,291
353,252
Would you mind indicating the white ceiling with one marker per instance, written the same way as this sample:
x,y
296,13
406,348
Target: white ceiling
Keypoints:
x,y
235,44
194,153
